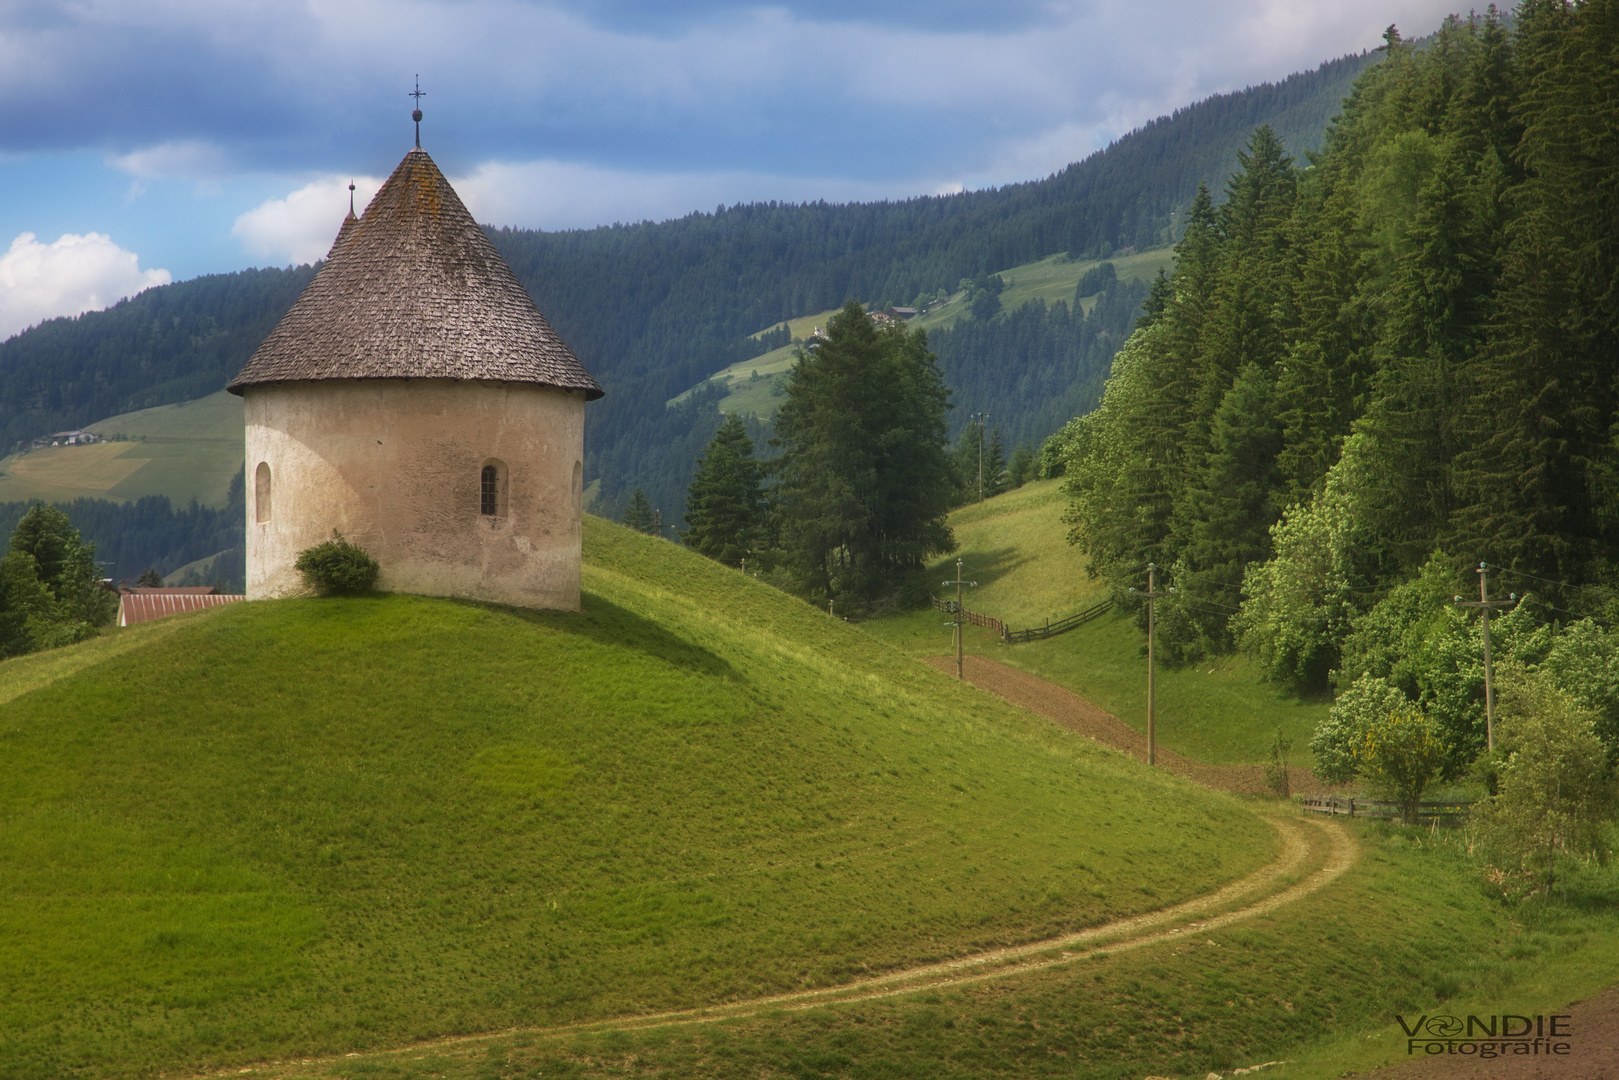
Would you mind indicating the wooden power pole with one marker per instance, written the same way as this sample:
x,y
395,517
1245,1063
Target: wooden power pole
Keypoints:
x,y
961,612
981,419
1150,595
1485,605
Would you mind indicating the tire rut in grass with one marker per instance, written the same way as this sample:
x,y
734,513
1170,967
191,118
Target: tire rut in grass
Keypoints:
x,y
1213,911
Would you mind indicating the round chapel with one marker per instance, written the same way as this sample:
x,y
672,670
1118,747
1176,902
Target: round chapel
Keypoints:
x,y
415,400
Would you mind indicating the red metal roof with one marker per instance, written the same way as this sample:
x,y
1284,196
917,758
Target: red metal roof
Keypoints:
x,y
149,604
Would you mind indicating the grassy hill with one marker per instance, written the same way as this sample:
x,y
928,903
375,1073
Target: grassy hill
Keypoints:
x,y
314,826
754,385
186,451
1015,546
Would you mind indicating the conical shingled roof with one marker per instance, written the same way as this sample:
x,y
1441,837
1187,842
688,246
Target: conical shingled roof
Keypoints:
x,y
415,290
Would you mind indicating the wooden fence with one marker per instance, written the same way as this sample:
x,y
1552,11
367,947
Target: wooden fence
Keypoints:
x,y
973,617
1444,813
1061,626
1012,637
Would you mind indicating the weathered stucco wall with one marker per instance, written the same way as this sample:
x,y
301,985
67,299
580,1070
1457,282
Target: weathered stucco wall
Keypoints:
x,y
397,465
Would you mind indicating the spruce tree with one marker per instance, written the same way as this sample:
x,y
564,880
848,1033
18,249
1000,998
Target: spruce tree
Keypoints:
x,y
638,514
995,480
725,505
864,477
1230,511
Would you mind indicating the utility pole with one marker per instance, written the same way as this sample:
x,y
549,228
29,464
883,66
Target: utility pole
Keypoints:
x,y
982,420
1151,594
960,613
657,523
1485,605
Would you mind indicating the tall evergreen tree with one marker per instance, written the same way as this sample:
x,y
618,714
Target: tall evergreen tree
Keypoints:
x,y
995,479
638,514
725,505
1229,512
50,585
864,478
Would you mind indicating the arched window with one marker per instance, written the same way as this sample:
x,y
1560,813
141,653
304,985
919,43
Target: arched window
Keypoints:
x,y
261,492
490,502
578,487
492,489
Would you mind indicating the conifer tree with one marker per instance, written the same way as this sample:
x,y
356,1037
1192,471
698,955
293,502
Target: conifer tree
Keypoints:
x,y
725,505
864,478
50,585
995,480
638,514
1228,513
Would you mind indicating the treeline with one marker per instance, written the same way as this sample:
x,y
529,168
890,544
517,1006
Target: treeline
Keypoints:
x,y
1034,368
167,344
1380,386
654,309
1409,347
856,498
132,537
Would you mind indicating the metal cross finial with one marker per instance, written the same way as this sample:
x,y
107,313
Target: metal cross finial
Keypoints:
x,y
416,113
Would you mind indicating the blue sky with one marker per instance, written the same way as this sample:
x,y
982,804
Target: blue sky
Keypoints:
x,y
151,140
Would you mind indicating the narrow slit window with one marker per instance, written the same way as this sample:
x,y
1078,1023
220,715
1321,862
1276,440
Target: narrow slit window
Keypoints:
x,y
261,492
490,496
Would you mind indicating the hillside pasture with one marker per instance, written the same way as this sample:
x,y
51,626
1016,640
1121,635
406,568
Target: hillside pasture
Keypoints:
x,y
1309,990
1014,545
186,451
313,827
1050,279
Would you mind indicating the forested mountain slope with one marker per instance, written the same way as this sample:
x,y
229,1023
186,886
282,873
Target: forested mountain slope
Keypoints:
x,y
656,308
1407,349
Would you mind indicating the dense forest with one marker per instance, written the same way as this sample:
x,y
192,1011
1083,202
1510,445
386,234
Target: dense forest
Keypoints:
x,y
1034,368
172,343
1374,373
654,308
152,533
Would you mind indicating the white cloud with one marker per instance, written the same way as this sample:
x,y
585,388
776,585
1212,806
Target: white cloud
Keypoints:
x,y
74,275
188,158
301,227
569,195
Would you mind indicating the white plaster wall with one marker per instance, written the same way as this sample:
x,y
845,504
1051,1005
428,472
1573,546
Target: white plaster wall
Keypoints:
x,y
396,465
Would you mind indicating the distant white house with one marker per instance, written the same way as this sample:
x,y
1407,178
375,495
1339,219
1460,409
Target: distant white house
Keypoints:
x,y
66,438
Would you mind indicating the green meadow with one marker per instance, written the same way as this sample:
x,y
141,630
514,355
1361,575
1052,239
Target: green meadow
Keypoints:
x,y
186,451
1015,546
753,382
1311,988
323,826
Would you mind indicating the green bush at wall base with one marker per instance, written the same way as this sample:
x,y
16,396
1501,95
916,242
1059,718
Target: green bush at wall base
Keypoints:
x,y
338,567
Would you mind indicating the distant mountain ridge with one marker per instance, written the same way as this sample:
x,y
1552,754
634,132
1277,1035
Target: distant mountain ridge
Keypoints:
x,y
653,309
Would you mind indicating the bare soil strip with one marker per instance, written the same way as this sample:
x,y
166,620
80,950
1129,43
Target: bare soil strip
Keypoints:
x,y
1301,868
1069,710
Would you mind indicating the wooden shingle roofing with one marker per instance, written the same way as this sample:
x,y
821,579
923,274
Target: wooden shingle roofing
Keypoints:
x,y
414,290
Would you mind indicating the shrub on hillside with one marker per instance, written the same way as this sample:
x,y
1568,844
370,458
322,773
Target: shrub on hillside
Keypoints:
x,y
1557,789
50,585
338,566
1401,754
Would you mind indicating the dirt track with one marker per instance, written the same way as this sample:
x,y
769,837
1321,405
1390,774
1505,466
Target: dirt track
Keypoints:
x,y
1076,714
1302,858
1594,1024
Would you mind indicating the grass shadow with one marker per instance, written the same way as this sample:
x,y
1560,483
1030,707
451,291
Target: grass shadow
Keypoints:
x,y
607,623
988,567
